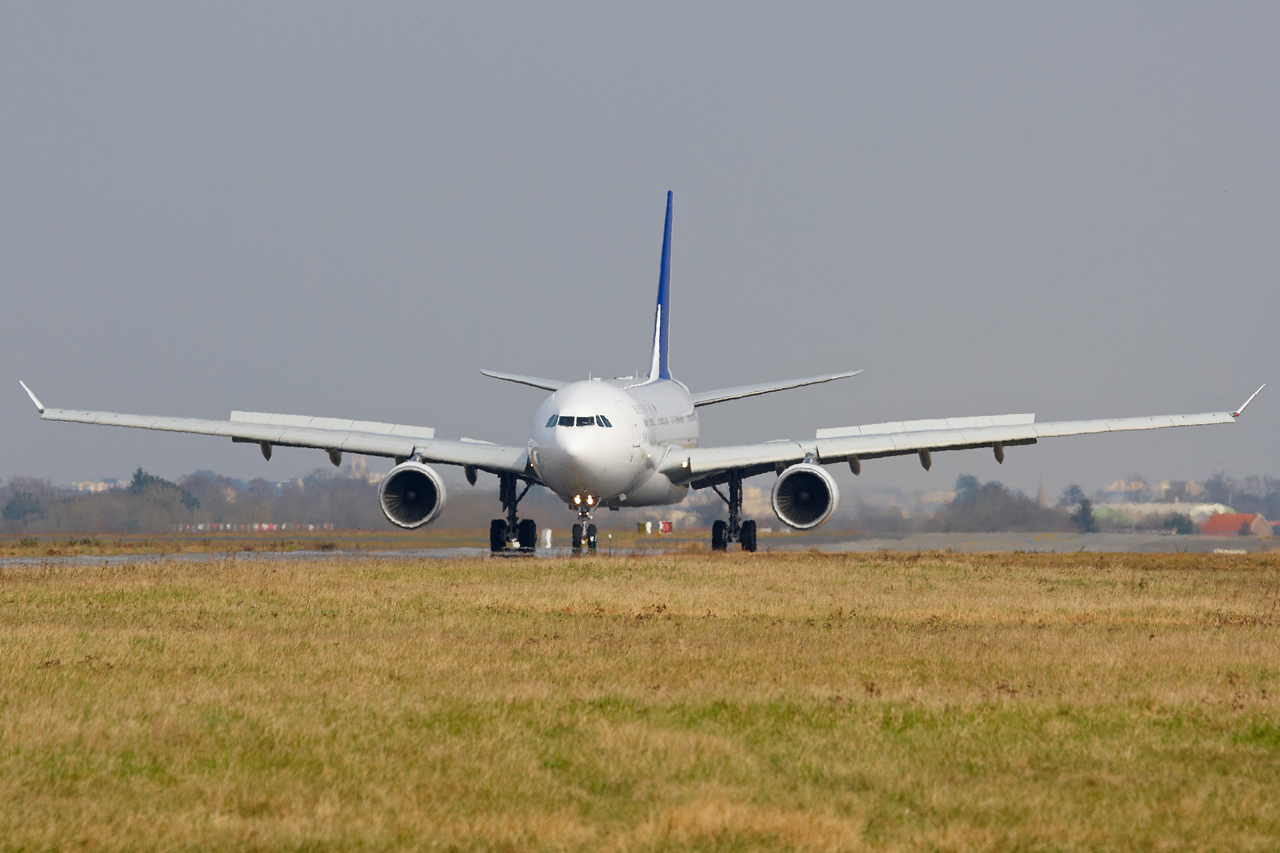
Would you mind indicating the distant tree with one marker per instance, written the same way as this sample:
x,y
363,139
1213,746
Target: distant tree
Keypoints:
x,y
1219,488
23,505
1073,495
261,490
1179,523
1259,495
144,482
1245,529
1083,516
992,507
1137,488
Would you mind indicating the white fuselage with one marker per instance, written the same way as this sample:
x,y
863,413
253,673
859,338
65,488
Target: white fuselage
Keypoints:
x,y
610,455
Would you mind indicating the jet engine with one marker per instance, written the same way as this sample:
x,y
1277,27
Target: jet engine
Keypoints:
x,y
804,496
411,495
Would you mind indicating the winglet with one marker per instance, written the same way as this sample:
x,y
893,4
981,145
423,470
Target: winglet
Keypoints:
x,y
1234,414
40,406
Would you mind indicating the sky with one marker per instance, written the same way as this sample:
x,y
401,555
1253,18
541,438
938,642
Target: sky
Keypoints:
x,y
348,210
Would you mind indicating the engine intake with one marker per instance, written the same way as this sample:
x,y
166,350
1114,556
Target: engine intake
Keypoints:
x,y
411,495
804,496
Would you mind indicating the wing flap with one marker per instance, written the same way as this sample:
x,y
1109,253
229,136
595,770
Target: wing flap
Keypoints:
x,y
342,424
932,424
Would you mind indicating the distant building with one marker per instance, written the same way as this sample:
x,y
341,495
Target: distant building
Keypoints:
x,y
1136,512
96,485
1230,523
358,469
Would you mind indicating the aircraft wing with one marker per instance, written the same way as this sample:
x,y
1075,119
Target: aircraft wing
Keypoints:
x,y
706,398
701,467
534,381
333,435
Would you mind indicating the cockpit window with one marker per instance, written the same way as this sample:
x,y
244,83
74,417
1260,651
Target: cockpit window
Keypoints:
x,y
603,421
586,420
566,420
552,421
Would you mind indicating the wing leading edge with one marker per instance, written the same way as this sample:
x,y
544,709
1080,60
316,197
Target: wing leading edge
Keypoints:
x,y
704,466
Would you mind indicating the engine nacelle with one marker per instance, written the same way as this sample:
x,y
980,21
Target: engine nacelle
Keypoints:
x,y
804,496
411,495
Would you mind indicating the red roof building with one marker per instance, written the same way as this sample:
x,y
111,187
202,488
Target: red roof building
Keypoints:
x,y
1231,523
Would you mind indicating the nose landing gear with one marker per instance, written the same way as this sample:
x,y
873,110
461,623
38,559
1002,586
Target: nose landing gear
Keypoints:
x,y
584,514
579,539
510,534
742,532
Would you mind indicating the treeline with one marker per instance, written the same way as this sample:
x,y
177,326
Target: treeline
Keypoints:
x,y
992,507
150,504
977,508
1252,494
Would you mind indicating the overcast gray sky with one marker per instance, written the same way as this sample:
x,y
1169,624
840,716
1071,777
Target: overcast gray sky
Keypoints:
x,y
1066,209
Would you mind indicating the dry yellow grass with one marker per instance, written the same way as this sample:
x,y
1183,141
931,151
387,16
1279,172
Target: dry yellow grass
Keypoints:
x,y
781,701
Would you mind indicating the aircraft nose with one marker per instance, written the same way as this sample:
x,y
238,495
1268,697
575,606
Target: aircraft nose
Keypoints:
x,y
589,460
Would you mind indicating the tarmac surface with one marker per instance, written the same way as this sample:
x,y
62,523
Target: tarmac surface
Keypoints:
x,y
1136,543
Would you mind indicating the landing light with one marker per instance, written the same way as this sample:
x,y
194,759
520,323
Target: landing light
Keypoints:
x,y
590,500
577,499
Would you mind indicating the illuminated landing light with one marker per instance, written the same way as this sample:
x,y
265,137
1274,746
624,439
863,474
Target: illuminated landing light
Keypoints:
x,y
577,500
590,500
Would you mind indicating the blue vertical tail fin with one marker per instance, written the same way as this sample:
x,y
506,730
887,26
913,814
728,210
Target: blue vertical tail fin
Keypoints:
x,y
658,366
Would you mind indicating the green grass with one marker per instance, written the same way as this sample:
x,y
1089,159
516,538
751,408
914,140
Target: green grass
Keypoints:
x,y
793,701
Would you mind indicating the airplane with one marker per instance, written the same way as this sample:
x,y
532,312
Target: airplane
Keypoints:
x,y
628,442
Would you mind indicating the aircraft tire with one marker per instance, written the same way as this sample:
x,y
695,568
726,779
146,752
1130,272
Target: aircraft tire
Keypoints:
x,y
497,535
748,537
719,536
528,534
591,537
577,538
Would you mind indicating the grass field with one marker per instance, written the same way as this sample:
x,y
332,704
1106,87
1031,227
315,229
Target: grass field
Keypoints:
x,y
726,702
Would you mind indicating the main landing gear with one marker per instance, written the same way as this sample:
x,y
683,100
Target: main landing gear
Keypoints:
x,y
511,534
744,532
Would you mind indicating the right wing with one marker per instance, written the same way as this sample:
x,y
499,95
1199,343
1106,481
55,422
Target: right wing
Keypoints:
x,y
333,435
701,466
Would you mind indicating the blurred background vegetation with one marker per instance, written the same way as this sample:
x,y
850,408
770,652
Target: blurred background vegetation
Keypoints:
x,y
349,501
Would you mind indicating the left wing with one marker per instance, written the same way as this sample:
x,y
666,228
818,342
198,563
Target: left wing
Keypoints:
x,y
706,398
701,467
333,435
536,382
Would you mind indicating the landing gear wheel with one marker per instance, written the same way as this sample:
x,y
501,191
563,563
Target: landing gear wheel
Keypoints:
x,y
497,535
577,538
527,534
719,536
747,536
591,538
